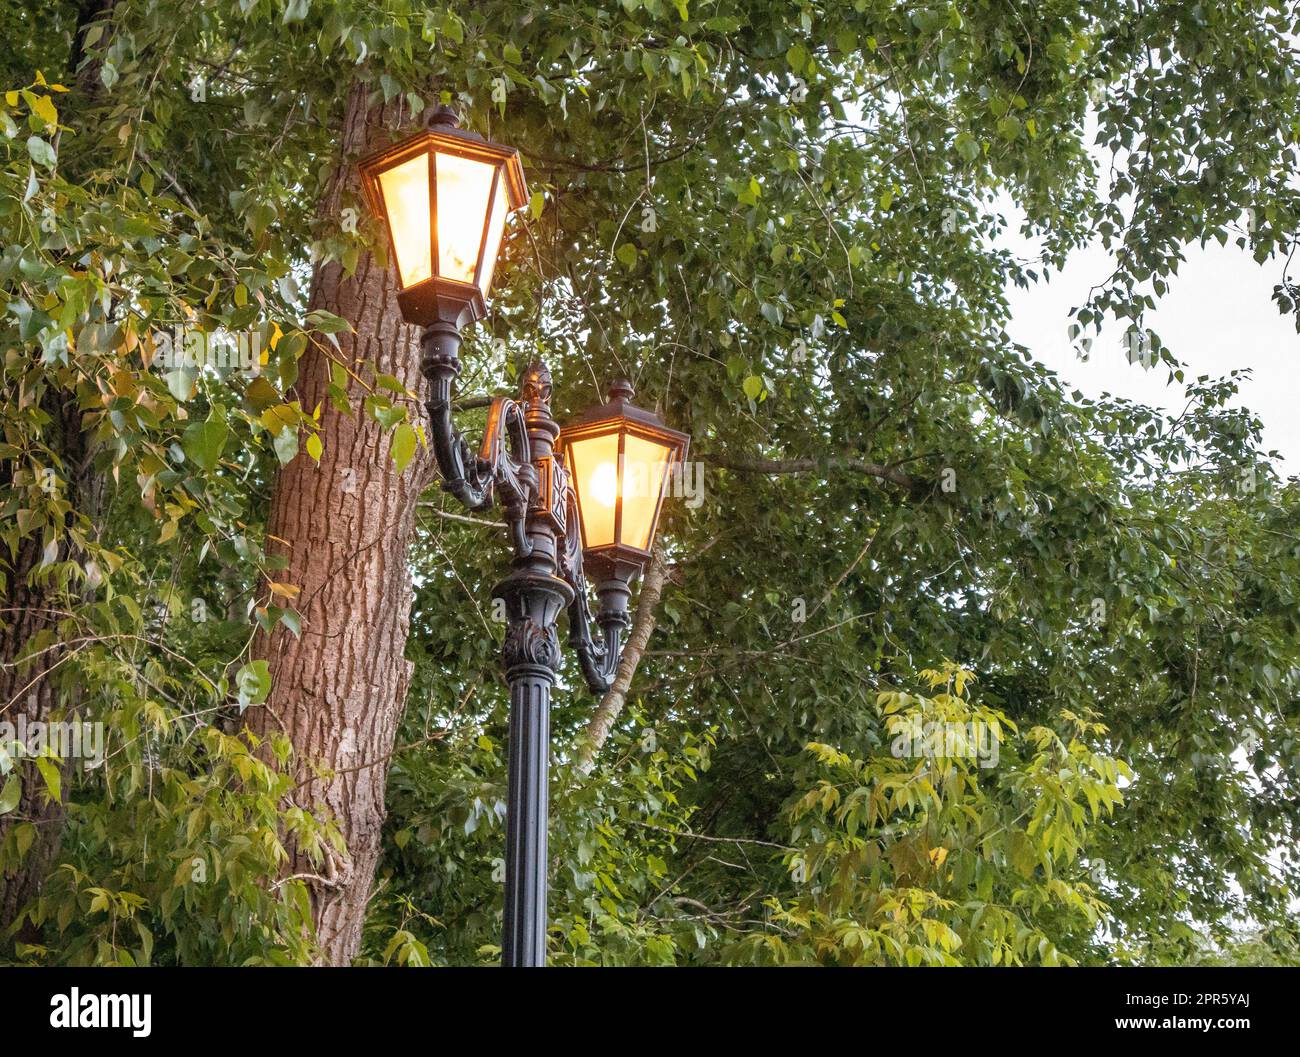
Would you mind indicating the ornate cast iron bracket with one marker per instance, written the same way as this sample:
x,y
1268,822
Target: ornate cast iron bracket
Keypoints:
x,y
503,466
598,657
517,466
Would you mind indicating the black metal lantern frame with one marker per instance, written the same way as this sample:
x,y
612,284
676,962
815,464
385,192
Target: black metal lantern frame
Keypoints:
x,y
620,417
519,466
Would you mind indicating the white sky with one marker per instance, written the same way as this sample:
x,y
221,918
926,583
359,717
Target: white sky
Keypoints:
x,y
1217,315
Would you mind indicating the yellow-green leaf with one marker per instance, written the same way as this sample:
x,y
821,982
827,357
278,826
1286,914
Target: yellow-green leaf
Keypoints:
x,y
403,445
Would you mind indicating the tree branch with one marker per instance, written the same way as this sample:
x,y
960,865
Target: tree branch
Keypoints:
x,y
463,519
469,403
611,705
757,464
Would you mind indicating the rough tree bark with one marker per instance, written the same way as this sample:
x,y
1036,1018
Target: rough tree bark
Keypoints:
x,y
28,688
345,526
29,694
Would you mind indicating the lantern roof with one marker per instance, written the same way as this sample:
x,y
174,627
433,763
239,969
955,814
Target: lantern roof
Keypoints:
x,y
619,407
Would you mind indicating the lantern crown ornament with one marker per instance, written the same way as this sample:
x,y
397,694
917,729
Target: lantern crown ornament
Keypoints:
x,y
621,458
444,195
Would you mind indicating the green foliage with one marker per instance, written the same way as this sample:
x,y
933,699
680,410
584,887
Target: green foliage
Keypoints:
x,y
613,837
174,829
926,861
782,221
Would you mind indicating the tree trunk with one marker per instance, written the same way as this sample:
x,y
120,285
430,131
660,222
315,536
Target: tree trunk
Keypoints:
x,y
27,695
345,526
27,688
26,692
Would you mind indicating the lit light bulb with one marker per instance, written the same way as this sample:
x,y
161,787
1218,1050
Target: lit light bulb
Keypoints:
x,y
604,484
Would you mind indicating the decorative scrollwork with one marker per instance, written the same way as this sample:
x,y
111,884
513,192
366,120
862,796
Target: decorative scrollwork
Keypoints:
x,y
528,643
599,659
504,462
503,469
505,459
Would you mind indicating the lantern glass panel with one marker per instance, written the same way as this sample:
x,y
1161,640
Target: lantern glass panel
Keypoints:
x,y
594,463
644,474
405,188
464,188
496,228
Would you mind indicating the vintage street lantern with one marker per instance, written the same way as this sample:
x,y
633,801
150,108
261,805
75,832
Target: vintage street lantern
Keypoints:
x,y
621,458
443,195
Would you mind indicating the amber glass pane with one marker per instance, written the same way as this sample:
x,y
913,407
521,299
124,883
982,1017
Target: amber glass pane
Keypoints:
x,y
405,189
463,189
645,467
594,463
496,227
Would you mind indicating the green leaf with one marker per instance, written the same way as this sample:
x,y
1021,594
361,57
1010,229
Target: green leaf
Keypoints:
x,y
281,417
286,445
41,152
291,620
292,345
11,794
203,442
403,446
626,255
253,682
327,322
181,382
261,394
383,411
53,777
31,321
967,146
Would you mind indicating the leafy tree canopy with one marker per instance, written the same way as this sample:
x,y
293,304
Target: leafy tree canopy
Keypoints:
x,y
782,221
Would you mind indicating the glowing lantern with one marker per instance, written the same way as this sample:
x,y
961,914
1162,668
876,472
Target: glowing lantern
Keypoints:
x,y
620,459
444,195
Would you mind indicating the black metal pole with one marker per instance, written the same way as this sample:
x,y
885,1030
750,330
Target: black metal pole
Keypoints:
x,y
546,577
534,596
523,942
531,652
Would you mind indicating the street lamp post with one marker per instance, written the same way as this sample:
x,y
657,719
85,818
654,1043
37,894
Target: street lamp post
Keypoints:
x,y
584,498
